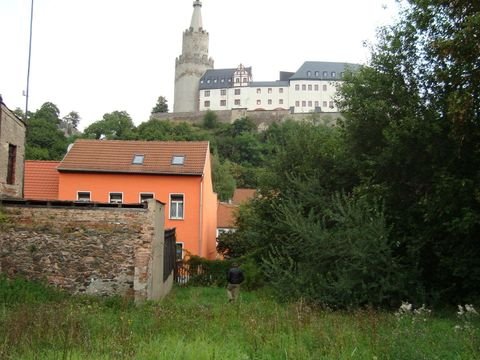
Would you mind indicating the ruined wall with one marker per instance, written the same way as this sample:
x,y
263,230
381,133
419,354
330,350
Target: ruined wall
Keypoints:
x,y
85,249
12,132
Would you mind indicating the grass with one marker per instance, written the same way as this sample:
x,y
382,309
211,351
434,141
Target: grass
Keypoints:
x,y
198,323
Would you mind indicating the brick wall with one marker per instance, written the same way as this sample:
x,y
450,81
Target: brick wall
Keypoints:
x,y
86,249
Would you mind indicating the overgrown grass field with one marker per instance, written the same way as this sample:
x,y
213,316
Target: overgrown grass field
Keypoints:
x,y
198,323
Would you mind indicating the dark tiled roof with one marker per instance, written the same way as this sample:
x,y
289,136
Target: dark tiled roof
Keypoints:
x,y
268,83
41,180
219,78
116,156
319,70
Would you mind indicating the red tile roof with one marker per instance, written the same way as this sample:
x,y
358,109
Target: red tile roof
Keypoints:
x,y
241,196
41,180
226,215
117,155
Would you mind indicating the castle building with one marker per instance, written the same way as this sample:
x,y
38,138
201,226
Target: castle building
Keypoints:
x,y
200,87
191,64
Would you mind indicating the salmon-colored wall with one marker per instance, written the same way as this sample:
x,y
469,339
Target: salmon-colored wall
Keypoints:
x,y
196,231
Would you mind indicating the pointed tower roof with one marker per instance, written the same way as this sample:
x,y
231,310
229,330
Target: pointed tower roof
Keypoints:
x,y
196,23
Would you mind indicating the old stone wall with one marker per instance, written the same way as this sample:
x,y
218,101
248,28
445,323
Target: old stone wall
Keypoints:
x,y
85,249
12,132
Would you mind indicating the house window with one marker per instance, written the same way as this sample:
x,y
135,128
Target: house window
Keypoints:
x,y
309,87
330,104
316,87
206,103
12,160
317,104
280,101
178,159
146,196
304,87
269,101
237,91
83,196
324,87
223,92
116,198
207,93
259,91
138,159
297,103
324,104
304,103
297,87
176,206
280,90
237,101
223,102
309,104
179,251
269,90
259,102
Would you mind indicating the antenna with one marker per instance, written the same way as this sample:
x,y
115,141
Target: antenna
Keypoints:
x,y
28,66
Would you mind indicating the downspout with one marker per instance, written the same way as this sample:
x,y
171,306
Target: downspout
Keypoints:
x,y
200,227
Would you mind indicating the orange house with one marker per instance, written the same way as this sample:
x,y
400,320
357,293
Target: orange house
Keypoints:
x,y
175,173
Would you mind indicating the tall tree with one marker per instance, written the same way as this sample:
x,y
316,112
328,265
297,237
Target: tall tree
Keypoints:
x,y
161,106
117,125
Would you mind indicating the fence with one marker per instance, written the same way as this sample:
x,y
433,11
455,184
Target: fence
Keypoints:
x,y
203,272
169,253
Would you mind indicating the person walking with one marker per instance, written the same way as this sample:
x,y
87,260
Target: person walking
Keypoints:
x,y
234,278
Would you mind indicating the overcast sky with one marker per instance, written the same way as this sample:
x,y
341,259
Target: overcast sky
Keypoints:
x,y
98,56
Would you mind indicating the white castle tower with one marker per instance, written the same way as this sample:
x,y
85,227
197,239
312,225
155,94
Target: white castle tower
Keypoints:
x,y
191,64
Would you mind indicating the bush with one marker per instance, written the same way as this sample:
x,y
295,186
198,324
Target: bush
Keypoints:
x,y
22,291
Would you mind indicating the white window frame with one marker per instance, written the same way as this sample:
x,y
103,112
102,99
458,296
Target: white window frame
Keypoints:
x,y
116,201
145,193
182,245
170,206
84,192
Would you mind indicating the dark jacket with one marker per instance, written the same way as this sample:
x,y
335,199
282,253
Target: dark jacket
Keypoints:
x,y
235,276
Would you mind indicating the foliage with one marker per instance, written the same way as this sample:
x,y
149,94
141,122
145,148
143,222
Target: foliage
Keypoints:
x,y
117,125
70,122
22,291
210,120
161,106
223,181
198,323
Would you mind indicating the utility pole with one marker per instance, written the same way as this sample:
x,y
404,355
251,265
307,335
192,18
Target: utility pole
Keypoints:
x,y
28,66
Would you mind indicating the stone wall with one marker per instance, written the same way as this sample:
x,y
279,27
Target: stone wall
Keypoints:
x,y
12,132
262,118
86,248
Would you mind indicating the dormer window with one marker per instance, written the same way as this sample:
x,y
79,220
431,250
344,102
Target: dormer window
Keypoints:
x,y
178,159
138,159
309,73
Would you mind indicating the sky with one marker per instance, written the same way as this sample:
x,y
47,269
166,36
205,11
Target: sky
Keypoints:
x,y
99,56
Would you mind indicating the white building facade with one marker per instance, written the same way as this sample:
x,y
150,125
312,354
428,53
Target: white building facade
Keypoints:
x,y
311,89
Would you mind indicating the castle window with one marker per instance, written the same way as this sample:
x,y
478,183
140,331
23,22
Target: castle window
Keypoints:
x,y
208,81
223,92
310,104
304,103
259,102
222,80
324,104
317,104
237,102
334,74
259,91
316,87
215,81
269,101
280,90
342,75
309,87
297,103
309,73
237,80
206,103
280,101
245,80
304,87
325,74
297,87
207,93
237,91
317,73
223,102
269,90
330,104
324,87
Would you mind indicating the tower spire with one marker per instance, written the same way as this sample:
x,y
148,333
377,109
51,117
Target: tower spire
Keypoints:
x,y
196,23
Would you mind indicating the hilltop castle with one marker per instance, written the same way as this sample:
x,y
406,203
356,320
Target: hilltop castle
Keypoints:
x,y
200,87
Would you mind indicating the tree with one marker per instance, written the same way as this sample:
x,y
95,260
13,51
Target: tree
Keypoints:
x,y
161,106
70,122
223,181
117,125
413,125
210,120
